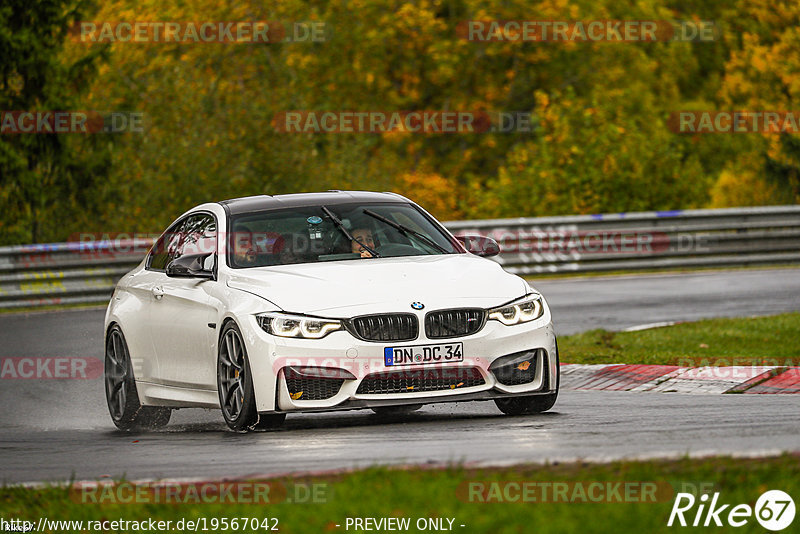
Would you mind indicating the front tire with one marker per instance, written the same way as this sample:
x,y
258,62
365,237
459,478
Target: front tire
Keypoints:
x,y
235,385
122,399
269,421
526,405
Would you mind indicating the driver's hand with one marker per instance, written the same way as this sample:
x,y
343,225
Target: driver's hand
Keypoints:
x,y
365,253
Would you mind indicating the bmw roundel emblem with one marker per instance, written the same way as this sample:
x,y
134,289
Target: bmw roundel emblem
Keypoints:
x,y
417,305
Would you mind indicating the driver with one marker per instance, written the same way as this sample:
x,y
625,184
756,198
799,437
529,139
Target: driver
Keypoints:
x,y
365,236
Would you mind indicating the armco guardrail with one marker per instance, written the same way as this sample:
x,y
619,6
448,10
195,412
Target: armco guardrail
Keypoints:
x,y
644,240
66,273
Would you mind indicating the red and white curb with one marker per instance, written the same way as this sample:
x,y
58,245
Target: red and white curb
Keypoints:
x,y
756,379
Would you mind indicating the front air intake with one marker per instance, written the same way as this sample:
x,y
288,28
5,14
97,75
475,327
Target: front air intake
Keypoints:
x,y
314,384
414,381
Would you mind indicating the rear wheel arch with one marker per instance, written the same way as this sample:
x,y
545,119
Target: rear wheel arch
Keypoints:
x,y
122,396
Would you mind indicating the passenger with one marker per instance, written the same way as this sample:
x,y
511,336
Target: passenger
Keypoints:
x,y
244,251
288,250
364,235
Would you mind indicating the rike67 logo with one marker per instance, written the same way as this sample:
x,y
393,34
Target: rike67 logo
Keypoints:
x,y
774,510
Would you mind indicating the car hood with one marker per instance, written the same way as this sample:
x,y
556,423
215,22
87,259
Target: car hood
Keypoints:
x,y
353,287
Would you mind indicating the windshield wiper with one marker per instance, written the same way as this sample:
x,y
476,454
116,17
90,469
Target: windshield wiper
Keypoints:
x,y
352,239
405,230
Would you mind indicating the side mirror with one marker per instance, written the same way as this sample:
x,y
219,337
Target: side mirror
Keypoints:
x,y
189,266
480,245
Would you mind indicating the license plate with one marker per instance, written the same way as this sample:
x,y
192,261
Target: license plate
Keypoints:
x,y
423,354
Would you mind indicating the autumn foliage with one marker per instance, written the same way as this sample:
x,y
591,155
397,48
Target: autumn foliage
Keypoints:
x,y
601,142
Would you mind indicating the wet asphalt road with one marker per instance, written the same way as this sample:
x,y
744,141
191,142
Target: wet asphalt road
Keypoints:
x,y
583,425
55,429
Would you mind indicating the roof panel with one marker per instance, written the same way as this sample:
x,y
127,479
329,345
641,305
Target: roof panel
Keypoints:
x,y
330,198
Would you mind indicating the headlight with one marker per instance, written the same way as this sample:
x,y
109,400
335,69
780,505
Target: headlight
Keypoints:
x,y
525,310
283,325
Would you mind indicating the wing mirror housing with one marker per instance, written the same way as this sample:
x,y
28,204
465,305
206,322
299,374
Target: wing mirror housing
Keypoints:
x,y
479,245
189,266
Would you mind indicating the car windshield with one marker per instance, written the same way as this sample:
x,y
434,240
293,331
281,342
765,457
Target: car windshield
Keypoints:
x,y
333,233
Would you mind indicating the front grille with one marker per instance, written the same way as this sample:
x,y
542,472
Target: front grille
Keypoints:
x,y
420,380
387,327
311,388
454,323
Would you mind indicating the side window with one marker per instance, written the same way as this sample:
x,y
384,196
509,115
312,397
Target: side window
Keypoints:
x,y
196,234
165,247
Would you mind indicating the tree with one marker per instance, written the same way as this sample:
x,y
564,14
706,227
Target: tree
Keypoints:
x,y
45,179
764,75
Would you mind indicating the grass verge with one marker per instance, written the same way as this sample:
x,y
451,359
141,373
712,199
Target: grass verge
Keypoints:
x,y
533,278
771,340
456,493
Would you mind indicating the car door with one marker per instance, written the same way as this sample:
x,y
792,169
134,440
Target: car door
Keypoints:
x,y
142,286
181,312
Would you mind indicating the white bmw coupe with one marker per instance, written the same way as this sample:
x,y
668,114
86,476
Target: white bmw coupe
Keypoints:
x,y
267,305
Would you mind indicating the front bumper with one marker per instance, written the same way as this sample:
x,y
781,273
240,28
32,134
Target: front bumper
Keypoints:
x,y
270,355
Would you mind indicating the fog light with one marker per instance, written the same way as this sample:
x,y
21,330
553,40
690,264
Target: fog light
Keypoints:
x,y
515,369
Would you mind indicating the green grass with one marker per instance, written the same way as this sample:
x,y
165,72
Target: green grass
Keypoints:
x,y
421,493
533,278
772,340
